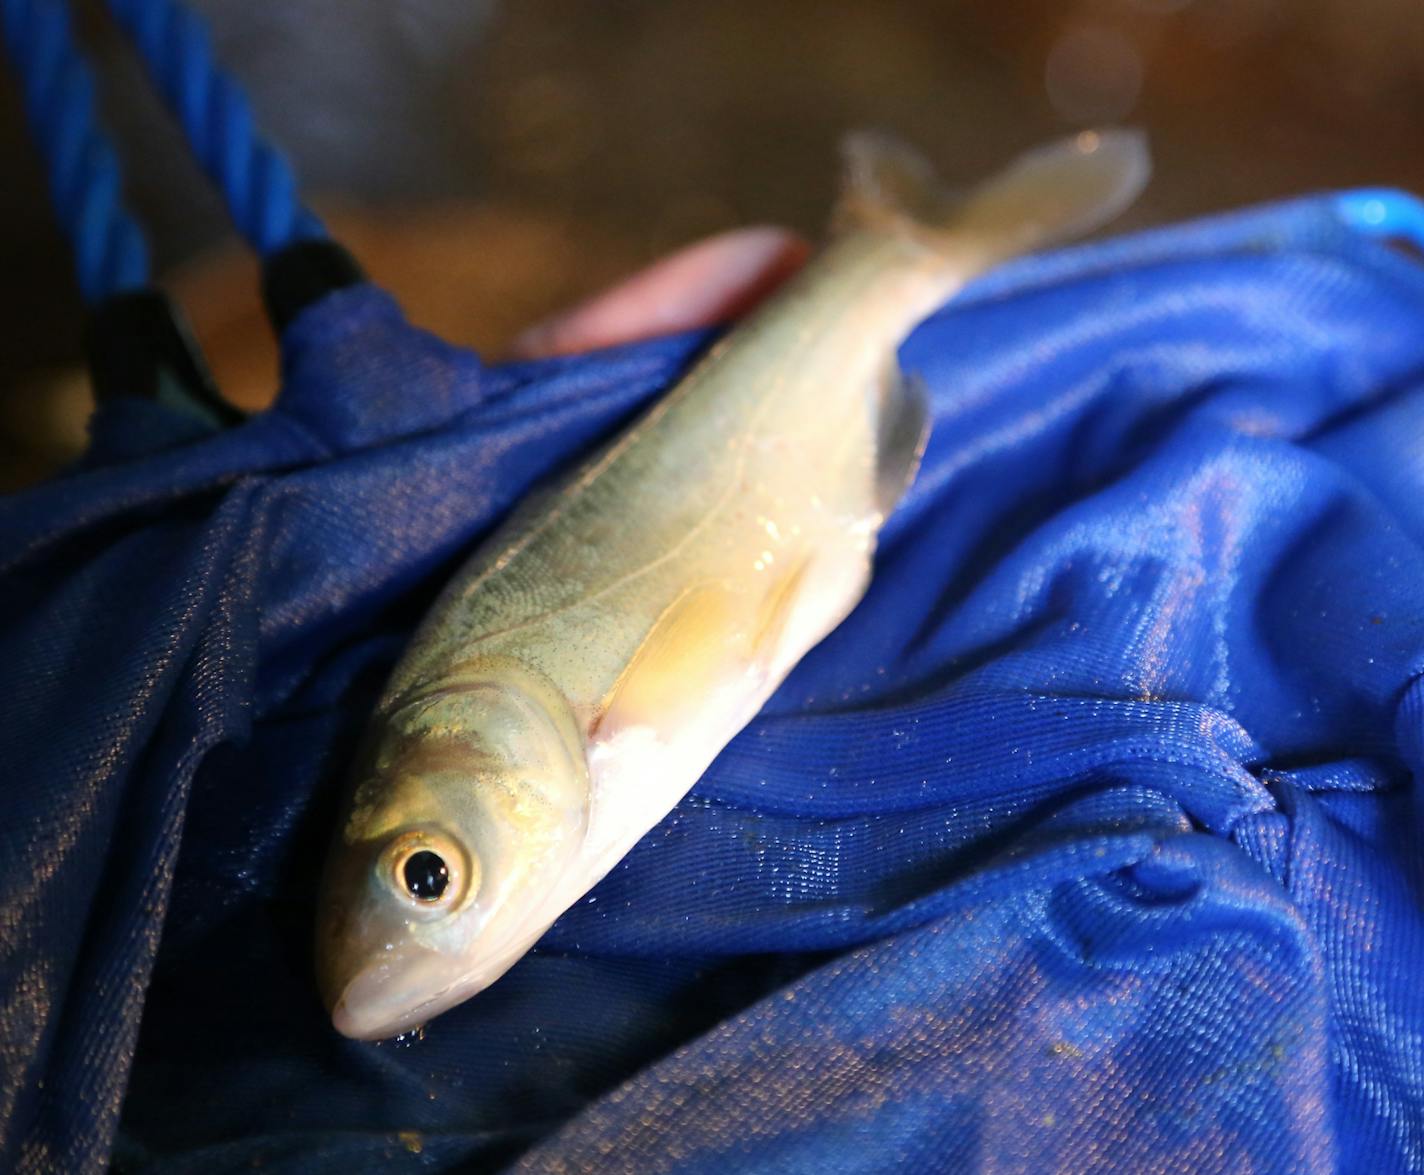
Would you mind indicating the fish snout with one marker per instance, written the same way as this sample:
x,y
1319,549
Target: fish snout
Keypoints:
x,y
383,954
370,1006
369,971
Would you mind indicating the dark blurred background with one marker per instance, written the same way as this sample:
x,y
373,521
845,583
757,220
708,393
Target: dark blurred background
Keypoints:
x,y
491,161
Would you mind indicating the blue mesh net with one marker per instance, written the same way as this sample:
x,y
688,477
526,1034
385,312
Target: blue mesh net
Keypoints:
x,y
1088,842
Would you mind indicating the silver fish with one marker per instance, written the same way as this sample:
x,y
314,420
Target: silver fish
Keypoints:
x,y
593,657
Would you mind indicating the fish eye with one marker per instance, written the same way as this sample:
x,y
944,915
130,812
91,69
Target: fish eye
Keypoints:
x,y
426,875
427,869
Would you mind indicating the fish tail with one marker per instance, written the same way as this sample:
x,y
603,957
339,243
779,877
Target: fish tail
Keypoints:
x,y
1048,195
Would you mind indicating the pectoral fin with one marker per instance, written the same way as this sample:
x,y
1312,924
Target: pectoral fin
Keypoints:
x,y
710,644
904,431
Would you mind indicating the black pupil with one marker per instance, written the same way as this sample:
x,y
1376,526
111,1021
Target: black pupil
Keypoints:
x,y
426,875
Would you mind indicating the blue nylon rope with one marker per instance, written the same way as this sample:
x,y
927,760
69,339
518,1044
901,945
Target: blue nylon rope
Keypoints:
x,y
255,179
110,253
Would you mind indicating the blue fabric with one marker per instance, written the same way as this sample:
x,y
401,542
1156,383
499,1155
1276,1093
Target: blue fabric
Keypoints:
x,y
1089,842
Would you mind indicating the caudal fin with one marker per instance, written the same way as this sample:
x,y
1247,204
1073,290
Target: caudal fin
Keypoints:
x,y
1050,194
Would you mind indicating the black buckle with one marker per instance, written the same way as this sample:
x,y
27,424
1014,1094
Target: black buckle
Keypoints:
x,y
302,274
138,343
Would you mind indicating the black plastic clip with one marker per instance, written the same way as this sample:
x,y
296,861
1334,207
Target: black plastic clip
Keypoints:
x,y
138,343
304,273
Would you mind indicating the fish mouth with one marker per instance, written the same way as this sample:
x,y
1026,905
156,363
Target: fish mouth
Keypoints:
x,y
407,984
394,995
368,1009
352,1021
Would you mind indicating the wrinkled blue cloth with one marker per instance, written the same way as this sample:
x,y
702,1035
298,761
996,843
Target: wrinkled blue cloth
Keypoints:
x,y
1089,842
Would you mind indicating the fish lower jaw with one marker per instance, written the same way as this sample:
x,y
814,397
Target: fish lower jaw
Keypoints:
x,y
352,1024
360,1021
362,1013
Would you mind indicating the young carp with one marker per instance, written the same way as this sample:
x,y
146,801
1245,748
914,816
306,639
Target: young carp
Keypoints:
x,y
591,660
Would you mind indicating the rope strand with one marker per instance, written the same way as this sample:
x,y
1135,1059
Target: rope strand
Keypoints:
x,y
255,179
110,252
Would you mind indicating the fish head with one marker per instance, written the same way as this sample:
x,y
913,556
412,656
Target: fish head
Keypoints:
x,y
470,807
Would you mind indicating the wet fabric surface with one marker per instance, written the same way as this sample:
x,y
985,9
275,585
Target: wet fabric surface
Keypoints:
x,y
1089,842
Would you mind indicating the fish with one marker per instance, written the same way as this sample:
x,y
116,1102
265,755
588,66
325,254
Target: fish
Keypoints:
x,y
583,669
